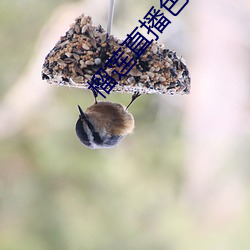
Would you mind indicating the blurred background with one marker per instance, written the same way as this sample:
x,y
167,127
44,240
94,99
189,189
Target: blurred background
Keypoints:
x,y
180,182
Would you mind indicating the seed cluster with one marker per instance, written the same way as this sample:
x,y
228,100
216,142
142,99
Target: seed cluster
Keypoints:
x,y
85,48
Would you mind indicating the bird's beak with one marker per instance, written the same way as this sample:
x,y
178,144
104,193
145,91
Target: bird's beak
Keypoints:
x,y
82,115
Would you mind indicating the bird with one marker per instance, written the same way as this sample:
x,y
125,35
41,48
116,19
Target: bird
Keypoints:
x,y
104,124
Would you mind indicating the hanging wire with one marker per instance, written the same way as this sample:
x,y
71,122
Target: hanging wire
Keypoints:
x,y
110,15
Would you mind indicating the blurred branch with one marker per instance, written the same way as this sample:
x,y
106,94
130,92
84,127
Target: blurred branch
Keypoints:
x,y
216,112
29,92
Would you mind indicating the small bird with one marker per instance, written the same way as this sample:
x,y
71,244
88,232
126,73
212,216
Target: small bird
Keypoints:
x,y
104,124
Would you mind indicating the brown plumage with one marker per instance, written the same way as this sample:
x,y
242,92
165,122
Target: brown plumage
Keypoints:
x,y
110,117
104,124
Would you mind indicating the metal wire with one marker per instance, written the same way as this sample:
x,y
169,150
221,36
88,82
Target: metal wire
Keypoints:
x,y
110,15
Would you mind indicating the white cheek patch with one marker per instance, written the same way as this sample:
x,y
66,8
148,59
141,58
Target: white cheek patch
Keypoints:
x,y
89,133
